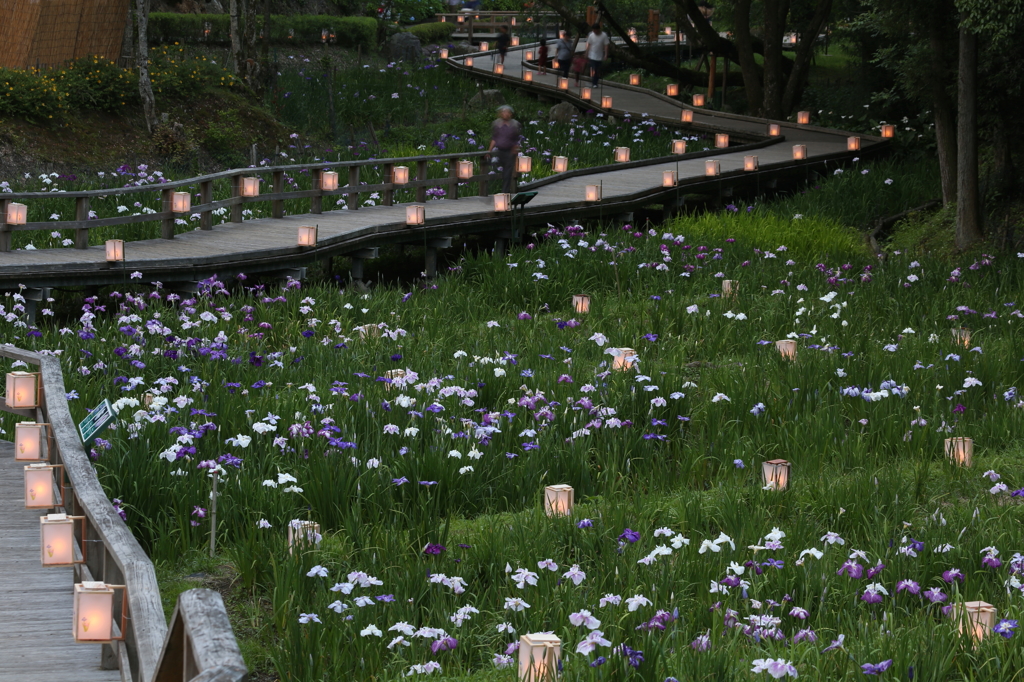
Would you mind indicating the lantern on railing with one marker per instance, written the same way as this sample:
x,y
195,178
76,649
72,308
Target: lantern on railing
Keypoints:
x,y
960,451
502,202
524,164
586,93
328,181
750,163
392,374
606,101
444,53
624,359
563,83
668,30
558,500
250,187
528,77
181,202
39,486
799,152
621,154
730,287
774,130
499,68
22,390
721,140
459,19
529,55
465,170
399,175
669,178
678,146
803,117
712,168
540,657
976,617
634,79
698,100
115,250
17,214
853,144
632,33
961,336
559,164
28,440
57,539
515,39
94,612
888,130
686,116
302,533
469,62
786,348
484,46
512,21
307,235
672,90
415,215
776,474
593,192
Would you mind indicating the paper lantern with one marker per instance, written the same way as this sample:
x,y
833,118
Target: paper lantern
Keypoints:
x,y
484,46
698,100
776,474
853,144
621,154
17,214
803,117
328,181
502,203
730,287
181,202
94,612
22,390
960,451
976,617
634,79
540,656
57,539
554,64
415,215
307,235
250,187
686,116
393,374
443,19
799,152
624,359
528,76
712,168
888,130
515,39
303,534
586,93
147,399
672,90
581,303
563,83
668,30
400,175
499,68
669,178
774,129
524,164
529,55
28,440
961,336
371,331
750,163
444,53
593,192
558,500
460,19
115,250
721,140
465,170
678,146
787,348
606,101
39,486
469,62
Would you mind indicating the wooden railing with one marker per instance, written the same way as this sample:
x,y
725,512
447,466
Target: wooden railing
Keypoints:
x,y
148,653
419,181
488,22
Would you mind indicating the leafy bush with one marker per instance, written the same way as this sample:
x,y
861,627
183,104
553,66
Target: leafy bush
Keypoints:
x,y
303,29
174,73
436,32
97,83
31,94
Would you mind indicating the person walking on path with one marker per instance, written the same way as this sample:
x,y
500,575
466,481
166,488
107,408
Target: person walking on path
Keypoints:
x,y
542,57
505,133
597,52
504,40
563,53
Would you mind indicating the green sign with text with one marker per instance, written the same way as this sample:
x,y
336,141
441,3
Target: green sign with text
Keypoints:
x,y
98,419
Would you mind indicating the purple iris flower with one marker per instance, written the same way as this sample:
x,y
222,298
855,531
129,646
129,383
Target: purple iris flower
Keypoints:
x,y
872,572
952,575
935,596
876,668
444,644
630,535
585,523
852,569
1005,627
909,585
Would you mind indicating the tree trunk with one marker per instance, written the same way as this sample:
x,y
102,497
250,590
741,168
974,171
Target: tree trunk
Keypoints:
x,y
945,112
804,53
1004,173
968,223
250,34
745,52
236,39
775,12
142,62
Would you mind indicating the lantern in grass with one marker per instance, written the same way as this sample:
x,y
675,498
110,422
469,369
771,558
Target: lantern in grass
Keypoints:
x,y
776,474
624,359
799,152
528,77
786,348
672,90
524,164
853,144
57,539
586,93
558,500
581,303
678,146
712,168
28,440
17,214
721,140
415,215
540,657
593,192
560,164
960,451
303,533
803,117
250,187
621,154
94,612
961,336
529,55
147,400
774,130
469,62
634,79
499,68
484,46
368,331
698,100
39,486
22,390
750,163
686,116
392,374
606,101
181,202
730,287
563,83
888,131
307,235
115,250
465,170
444,53
976,617
515,39
502,202
400,175
328,181
669,178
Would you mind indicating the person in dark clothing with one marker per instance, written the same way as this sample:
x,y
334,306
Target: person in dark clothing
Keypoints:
x,y
505,133
504,40
563,52
542,57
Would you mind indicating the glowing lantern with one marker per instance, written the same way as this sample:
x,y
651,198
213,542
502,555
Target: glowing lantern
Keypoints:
x,y
606,102
668,30
730,287
181,202
515,39
853,144
721,140
776,474
540,656
554,64
414,215
94,612
303,533
698,100
678,146
621,154
469,62
28,440
307,235
787,348
115,250
624,359
960,451
499,68
502,203
484,46
563,83
528,76
669,178
593,192
559,164
400,175
250,187
672,90
524,164
750,163
961,336
581,303
39,486
634,79
888,130
444,53
460,19
328,181
529,55
799,152
712,168
17,214
57,539
977,617
686,116
465,170
22,390
774,129
803,117
558,500
586,93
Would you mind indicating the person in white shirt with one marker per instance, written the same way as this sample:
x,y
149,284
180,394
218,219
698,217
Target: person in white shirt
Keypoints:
x,y
597,52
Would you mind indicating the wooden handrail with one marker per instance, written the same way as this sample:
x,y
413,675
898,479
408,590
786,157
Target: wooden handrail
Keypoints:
x,y
200,645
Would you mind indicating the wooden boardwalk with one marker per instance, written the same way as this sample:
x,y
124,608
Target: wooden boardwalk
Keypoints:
x,y
35,602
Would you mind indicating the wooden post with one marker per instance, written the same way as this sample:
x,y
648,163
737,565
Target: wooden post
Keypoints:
x,y
469,27
167,224
453,179
206,196
712,63
236,193
277,205
82,214
389,177
421,174
430,262
213,515
725,81
5,232
352,198
485,177
316,204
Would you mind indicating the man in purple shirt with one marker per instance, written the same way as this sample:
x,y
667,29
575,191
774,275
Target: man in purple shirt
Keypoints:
x,y
505,133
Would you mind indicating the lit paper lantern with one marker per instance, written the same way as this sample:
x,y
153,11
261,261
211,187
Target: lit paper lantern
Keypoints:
x,y
774,129
307,235
147,399
960,451
888,130
39,486
560,164
502,203
181,202
558,500
787,348
528,76
303,534
17,214
484,46
799,152
469,62
28,440
803,117
563,83
672,90
22,390
721,140
250,187
57,540
115,250
460,19
853,144
586,93
581,303
634,79
624,359
400,175
750,163
976,617
465,170
669,178
730,287
712,168
776,474
328,181
94,612
606,102
621,154
444,53
524,164
515,39
686,116
554,64
499,68
668,30
540,656
415,215
698,100
961,336
678,146
529,55
632,33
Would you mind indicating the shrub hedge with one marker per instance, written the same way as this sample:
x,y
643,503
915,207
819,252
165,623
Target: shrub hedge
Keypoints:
x,y
436,32
169,27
